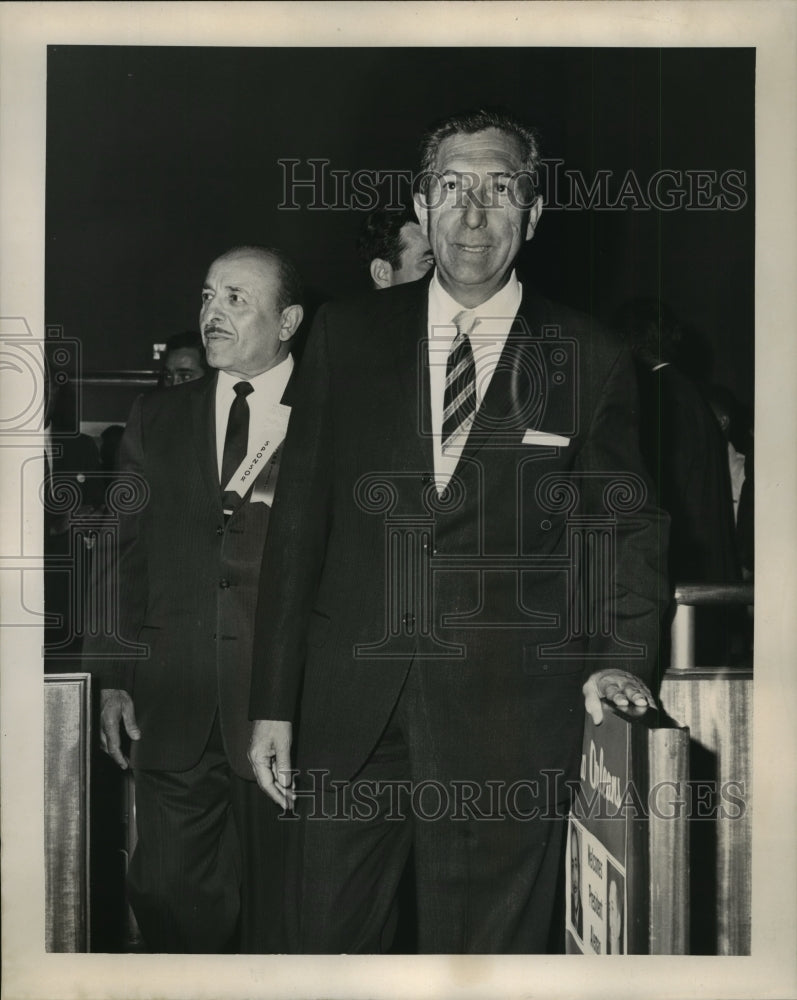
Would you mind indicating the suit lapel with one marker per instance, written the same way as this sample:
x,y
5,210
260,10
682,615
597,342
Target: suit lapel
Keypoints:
x,y
203,416
290,389
517,393
407,334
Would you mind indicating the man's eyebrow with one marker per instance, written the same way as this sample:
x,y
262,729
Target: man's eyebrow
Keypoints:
x,y
471,173
235,288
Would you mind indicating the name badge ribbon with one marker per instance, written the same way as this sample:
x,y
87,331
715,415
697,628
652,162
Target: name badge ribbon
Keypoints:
x,y
261,466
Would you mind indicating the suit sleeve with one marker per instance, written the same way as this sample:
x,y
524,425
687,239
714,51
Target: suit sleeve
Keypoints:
x,y
616,484
295,547
123,572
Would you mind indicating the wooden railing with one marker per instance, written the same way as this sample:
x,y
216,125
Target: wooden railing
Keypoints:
x,y
689,597
716,703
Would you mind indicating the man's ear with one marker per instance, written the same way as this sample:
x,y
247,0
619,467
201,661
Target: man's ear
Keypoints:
x,y
290,319
381,273
534,216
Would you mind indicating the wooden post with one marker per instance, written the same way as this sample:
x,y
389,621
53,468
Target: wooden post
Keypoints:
x,y
67,741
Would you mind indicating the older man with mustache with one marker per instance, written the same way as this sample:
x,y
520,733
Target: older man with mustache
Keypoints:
x,y
206,875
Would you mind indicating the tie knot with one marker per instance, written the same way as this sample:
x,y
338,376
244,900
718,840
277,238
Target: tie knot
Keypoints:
x,y
242,389
465,321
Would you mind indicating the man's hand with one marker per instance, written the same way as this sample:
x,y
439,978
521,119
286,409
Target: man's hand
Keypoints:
x,y
270,756
618,686
117,706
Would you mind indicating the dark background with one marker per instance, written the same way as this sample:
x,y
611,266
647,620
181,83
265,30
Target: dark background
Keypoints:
x,y
158,159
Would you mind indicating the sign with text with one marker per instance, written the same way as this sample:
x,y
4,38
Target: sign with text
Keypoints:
x,y
621,854
595,893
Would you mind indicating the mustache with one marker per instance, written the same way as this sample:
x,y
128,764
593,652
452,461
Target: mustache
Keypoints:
x,y
212,328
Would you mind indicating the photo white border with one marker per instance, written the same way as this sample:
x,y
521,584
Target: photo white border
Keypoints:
x,y
25,31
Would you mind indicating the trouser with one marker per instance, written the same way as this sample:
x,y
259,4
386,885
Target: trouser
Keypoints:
x,y
207,874
485,881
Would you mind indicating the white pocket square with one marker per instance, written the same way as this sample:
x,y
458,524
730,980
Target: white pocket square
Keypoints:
x,y
545,439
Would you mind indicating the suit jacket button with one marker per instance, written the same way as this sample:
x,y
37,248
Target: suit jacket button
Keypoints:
x,y
219,530
224,584
426,479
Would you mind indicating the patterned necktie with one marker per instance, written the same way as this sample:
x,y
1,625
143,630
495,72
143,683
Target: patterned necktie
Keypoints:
x,y
236,440
459,400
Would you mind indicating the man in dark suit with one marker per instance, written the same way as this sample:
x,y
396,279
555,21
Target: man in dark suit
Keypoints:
x,y
458,448
209,850
682,447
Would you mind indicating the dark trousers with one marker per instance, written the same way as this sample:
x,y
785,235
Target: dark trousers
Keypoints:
x,y
207,874
486,882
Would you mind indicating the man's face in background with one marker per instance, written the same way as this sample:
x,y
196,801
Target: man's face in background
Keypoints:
x,y
242,329
181,365
575,867
416,255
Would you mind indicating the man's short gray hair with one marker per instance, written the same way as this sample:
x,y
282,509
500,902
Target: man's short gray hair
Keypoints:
x,y
471,122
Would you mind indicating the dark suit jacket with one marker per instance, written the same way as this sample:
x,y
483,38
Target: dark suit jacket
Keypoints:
x,y
188,585
687,456
508,701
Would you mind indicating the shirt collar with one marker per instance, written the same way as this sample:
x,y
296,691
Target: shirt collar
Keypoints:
x,y
272,381
503,305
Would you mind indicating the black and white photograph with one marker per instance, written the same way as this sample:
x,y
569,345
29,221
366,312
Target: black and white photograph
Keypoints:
x,y
377,409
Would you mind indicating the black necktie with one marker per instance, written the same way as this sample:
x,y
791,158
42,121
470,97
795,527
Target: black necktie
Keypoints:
x,y
235,441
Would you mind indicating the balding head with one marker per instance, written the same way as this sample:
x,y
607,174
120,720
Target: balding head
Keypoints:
x,y
248,313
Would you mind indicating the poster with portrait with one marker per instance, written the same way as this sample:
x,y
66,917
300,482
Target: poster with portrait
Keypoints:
x,y
596,900
633,768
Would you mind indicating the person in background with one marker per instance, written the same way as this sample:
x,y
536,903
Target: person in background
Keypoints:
x,y
682,447
393,248
183,360
110,444
686,456
71,494
737,430
207,871
736,424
